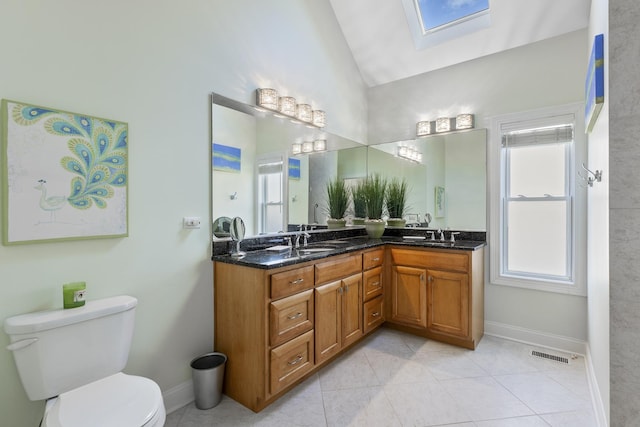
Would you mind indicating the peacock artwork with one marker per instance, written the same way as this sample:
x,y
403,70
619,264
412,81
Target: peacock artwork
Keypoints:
x,y
65,175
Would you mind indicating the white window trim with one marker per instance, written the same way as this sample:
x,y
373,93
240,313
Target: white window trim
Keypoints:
x,y
579,285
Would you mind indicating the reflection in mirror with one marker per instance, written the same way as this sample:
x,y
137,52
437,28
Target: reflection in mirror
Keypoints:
x,y
453,165
259,136
272,212
222,227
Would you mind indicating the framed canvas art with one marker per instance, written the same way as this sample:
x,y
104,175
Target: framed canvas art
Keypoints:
x,y
294,168
65,175
594,84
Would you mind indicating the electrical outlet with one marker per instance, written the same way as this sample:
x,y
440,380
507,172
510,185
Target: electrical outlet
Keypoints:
x,y
191,222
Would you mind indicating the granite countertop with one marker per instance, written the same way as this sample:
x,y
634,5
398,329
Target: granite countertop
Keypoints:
x,y
269,259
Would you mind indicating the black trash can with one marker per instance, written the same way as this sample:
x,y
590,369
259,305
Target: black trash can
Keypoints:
x,y
208,376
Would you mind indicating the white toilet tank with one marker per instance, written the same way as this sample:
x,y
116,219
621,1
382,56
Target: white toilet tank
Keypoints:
x,y
59,350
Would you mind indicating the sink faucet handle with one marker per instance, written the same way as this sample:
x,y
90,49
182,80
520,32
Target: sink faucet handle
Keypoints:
x,y
441,234
453,233
287,240
433,234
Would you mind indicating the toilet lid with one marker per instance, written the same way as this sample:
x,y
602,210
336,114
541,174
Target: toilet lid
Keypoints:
x,y
118,400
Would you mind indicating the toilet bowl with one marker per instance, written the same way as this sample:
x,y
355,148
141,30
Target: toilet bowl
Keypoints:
x,y
74,359
119,400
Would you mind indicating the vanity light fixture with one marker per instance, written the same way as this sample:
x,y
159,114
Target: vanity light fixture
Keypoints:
x,y
464,121
319,118
267,99
287,105
445,124
410,153
423,128
320,145
304,113
307,147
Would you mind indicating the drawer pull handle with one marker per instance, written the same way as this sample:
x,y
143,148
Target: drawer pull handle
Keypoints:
x,y
375,259
297,281
295,316
376,284
295,361
375,314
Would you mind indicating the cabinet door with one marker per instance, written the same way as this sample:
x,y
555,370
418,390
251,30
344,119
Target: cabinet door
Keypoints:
x,y
448,302
372,283
409,295
373,313
351,309
328,320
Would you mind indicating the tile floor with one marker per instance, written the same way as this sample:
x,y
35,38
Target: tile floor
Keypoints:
x,y
396,379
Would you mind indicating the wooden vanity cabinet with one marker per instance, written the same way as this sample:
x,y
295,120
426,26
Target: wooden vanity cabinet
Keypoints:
x,y
277,326
338,305
437,293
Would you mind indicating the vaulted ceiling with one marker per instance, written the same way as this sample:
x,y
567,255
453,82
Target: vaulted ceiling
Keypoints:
x,y
379,36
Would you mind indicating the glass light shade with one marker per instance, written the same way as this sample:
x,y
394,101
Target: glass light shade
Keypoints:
x,y
267,98
304,113
402,151
443,124
423,128
307,147
464,121
287,105
296,148
319,118
320,145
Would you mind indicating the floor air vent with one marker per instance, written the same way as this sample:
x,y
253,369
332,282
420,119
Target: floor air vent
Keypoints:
x,y
548,356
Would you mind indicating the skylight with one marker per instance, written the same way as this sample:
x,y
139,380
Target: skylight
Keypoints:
x,y
438,13
438,21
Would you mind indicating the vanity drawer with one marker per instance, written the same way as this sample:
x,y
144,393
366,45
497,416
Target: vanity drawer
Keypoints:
x,y
338,268
373,313
291,281
372,259
290,317
291,361
431,259
372,280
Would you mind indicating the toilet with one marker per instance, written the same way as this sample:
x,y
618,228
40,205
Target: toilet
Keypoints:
x,y
73,358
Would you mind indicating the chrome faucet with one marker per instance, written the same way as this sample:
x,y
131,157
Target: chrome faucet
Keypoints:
x,y
304,242
453,233
441,234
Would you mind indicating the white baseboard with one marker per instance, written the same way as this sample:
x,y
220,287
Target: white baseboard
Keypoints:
x,y
538,338
596,397
178,396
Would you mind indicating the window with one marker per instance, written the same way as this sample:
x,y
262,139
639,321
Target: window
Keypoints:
x,y
539,213
437,13
433,22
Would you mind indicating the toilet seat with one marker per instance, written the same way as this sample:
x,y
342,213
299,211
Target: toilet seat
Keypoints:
x,y
117,400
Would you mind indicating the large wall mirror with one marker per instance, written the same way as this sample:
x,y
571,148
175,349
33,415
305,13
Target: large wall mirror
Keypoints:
x,y
257,178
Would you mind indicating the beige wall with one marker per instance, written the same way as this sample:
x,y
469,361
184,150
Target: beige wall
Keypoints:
x,y
153,64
